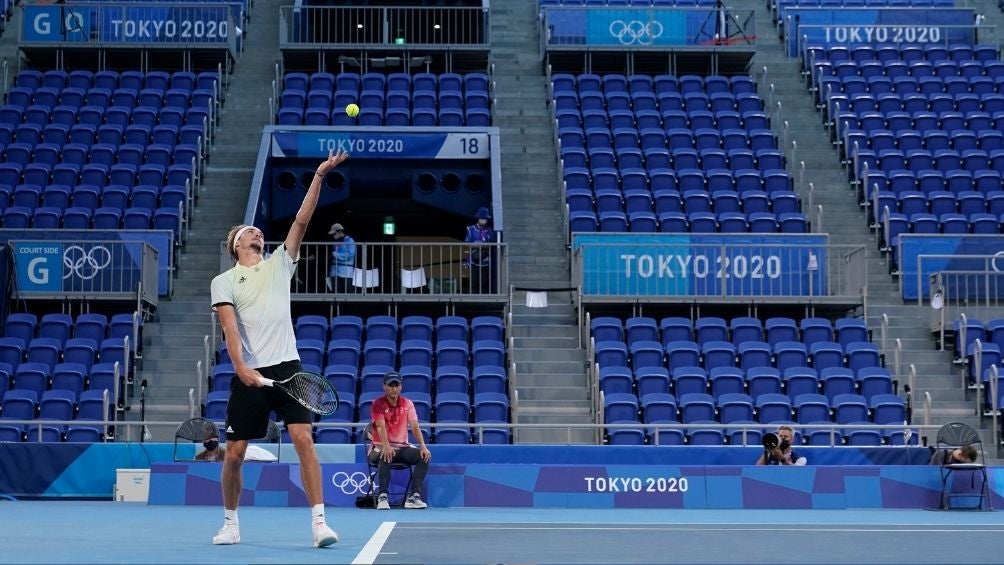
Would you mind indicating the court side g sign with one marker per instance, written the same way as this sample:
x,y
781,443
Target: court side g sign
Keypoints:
x,y
39,266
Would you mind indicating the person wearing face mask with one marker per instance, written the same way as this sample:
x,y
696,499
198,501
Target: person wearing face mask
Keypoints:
x,y
479,259
343,259
211,451
782,454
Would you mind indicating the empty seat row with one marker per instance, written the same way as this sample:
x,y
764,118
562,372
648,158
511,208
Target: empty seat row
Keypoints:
x,y
695,222
892,54
354,82
653,119
136,80
754,381
376,116
737,330
454,328
883,409
660,161
638,83
746,355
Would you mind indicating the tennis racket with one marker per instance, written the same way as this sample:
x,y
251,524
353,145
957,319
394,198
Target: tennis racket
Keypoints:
x,y
312,391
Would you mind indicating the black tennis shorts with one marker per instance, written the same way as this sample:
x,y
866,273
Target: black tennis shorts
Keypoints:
x,y
248,409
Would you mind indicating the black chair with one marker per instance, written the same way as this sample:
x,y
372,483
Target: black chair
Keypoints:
x,y
953,436
195,430
373,469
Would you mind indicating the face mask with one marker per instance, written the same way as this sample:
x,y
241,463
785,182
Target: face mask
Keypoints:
x,y
211,444
482,222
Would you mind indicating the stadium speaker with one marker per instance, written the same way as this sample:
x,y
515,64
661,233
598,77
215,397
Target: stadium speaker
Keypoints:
x,y
451,182
335,181
285,180
426,182
474,183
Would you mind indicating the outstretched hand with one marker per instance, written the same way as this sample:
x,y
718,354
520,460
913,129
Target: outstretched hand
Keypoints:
x,y
333,160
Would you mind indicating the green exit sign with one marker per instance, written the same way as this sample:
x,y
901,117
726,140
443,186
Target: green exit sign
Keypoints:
x,y
389,227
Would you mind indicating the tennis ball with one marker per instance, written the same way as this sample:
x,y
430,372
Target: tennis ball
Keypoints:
x,y
352,110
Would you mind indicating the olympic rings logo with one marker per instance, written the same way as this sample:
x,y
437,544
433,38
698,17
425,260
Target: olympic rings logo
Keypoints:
x,y
351,483
993,262
636,31
85,263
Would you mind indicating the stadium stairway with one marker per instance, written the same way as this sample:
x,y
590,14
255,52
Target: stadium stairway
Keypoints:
x,y
846,223
550,365
8,45
176,339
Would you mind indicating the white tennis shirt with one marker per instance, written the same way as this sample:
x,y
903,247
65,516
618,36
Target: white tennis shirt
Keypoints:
x,y
260,297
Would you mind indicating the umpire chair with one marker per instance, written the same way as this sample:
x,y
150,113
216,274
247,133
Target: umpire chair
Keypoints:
x,y
952,436
373,470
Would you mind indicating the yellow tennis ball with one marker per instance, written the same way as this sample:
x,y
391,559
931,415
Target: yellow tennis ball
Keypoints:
x,y
352,110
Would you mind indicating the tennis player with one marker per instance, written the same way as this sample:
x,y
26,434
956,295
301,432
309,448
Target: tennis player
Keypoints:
x,y
252,301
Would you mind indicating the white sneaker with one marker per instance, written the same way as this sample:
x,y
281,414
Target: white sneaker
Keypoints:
x,y
415,501
323,535
229,534
382,502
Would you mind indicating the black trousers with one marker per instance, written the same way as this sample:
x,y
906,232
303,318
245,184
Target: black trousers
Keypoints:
x,y
402,456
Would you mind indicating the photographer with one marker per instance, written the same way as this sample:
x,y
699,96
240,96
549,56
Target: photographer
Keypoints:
x,y
777,449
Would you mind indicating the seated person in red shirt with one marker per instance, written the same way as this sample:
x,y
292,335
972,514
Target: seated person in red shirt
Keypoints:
x,y
392,414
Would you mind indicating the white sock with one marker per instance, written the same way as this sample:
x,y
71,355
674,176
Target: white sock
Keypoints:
x,y
317,512
230,517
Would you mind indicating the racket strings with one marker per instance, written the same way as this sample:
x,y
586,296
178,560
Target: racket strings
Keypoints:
x,y
314,391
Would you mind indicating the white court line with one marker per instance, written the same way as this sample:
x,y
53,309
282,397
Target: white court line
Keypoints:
x,y
369,552
696,529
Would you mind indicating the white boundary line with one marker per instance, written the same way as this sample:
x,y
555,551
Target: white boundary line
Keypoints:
x,y
369,552
702,528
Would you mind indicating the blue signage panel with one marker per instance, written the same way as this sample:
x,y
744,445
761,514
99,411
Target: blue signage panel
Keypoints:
x,y
631,27
851,26
101,266
397,144
702,265
39,266
161,240
134,23
913,246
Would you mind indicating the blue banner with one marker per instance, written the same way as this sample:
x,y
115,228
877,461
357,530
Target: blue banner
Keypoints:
x,y
851,26
46,267
702,265
396,144
157,23
913,246
50,244
632,27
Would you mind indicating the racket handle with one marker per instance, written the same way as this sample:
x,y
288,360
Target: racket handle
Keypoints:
x,y
267,382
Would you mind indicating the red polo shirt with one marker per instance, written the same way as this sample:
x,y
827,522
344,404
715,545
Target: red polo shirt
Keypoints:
x,y
396,419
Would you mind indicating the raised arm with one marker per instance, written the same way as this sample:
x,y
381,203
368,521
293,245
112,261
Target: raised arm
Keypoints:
x,y
299,227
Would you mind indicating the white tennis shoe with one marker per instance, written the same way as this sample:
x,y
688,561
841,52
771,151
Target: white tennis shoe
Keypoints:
x,y
415,502
382,502
229,534
323,535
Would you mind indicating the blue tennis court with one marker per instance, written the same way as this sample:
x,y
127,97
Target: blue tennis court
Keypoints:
x,y
109,532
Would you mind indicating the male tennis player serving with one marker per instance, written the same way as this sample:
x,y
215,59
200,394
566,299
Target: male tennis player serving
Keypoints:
x,y
252,301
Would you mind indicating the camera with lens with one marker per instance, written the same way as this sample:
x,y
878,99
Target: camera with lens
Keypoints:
x,y
771,441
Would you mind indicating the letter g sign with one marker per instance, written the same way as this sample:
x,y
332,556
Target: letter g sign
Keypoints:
x,y
38,273
38,266
42,24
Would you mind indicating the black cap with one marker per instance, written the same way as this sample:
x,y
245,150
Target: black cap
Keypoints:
x,y
392,377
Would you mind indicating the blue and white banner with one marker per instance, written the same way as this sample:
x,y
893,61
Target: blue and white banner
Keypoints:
x,y
369,144
701,265
631,27
851,26
48,267
921,255
152,23
48,264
